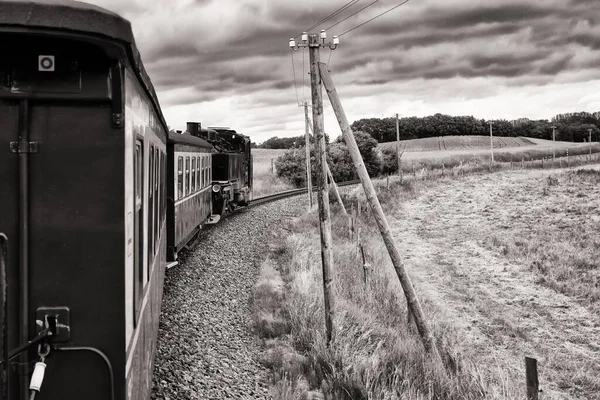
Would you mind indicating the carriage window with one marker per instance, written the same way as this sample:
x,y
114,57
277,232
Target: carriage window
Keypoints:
x,y
163,197
138,264
198,171
208,176
193,174
187,175
180,177
150,209
157,167
201,172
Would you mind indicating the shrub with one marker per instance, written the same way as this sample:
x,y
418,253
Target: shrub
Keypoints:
x,y
291,166
389,162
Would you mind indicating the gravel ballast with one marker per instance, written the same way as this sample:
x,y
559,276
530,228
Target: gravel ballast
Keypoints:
x,y
206,347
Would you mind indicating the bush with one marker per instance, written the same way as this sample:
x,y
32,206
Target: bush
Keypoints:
x,y
389,162
291,166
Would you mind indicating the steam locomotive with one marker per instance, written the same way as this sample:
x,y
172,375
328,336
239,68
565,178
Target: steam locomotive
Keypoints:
x,y
97,198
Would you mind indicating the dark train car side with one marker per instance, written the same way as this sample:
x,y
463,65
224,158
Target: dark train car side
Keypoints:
x,y
82,200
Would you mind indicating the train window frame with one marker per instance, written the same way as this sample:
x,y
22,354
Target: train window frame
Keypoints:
x,y
187,176
208,180
180,177
138,240
150,229
163,197
193,174
198,173
202,172
156,198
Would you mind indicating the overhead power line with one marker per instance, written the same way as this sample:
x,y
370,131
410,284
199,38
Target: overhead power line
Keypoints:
x,y
351,15
333,14
294,71
375,17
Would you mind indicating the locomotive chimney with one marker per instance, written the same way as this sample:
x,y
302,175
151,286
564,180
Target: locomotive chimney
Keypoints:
x,y
194,128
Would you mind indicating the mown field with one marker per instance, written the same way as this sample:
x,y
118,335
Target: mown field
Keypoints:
x,y
455,150
433,153
458,143
506,264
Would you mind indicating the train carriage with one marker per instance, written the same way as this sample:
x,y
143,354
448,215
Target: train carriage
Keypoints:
x,y
82,200
189,193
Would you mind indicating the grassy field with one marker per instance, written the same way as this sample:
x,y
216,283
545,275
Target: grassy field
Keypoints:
x,y
458,143
506,264
455,150
265,182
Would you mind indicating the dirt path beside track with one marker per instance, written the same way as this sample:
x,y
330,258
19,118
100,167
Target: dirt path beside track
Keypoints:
x,y
505,313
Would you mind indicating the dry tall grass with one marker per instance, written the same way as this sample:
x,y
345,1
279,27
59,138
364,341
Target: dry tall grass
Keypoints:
x,y
558,235
375,354
265,182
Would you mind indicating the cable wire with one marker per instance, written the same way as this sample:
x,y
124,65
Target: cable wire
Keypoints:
x,y
351,15
375,17
339,10
294,70
303,74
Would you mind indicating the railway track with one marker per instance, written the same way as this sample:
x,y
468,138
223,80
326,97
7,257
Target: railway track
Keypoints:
x,y
290,193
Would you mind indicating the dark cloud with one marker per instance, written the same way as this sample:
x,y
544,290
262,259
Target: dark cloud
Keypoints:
x,y
554,67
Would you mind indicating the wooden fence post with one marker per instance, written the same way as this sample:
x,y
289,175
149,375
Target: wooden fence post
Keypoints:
x,y
531,373
366,266
411,297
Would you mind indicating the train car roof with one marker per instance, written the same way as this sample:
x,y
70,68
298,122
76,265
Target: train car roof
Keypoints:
x,y
186,138
79,18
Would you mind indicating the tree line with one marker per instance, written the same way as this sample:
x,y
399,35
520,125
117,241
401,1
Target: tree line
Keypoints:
x,y
570,127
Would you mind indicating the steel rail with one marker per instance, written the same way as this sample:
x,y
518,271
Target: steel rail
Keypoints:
x,y
291,193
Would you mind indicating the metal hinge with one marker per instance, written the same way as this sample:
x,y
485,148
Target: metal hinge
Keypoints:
x,y
24,147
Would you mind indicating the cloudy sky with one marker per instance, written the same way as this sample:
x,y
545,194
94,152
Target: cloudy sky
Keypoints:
x,y
227,62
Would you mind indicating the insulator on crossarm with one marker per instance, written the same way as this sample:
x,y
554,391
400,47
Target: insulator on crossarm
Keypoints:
x,y
323,34
292,43
304,36
336,40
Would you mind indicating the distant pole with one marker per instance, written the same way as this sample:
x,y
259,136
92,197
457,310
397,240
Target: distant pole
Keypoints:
x,y
553,142
324,213
491,142
590,140
398,142
308,169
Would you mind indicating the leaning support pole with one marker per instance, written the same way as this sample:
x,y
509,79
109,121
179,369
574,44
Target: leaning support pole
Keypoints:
x,y
409,291
335,190
307,145
323,190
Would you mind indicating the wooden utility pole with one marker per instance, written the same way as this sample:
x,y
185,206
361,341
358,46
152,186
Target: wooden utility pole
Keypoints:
x,y
398,142
590,140
308,170
323,191
491,142
553,143
414,305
